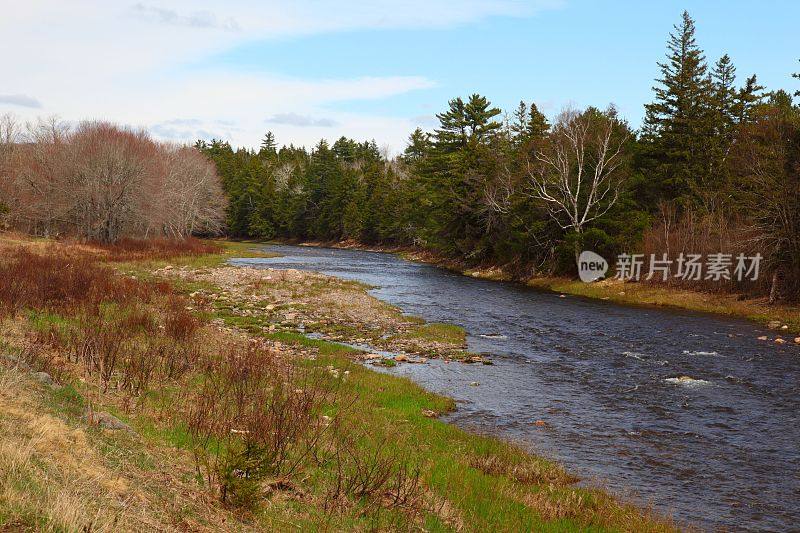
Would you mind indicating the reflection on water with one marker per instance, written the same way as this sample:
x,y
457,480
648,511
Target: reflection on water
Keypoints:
x,y
688,412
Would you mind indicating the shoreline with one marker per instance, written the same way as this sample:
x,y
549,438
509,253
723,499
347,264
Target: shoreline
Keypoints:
x,y
433,475
783,319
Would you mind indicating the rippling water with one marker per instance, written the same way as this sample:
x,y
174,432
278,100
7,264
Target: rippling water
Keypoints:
x,y
719,451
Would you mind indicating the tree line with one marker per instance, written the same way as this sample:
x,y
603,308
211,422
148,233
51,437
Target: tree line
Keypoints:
x,y
714,168
101,182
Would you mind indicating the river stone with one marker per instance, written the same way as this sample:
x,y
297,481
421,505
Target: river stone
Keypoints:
x,y
773,324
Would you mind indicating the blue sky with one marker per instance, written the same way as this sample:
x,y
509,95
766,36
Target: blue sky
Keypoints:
x,y
368,69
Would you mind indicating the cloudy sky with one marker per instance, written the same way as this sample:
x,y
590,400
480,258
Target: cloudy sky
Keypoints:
x,y
188,69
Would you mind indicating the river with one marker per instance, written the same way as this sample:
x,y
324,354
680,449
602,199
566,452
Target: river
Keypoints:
x,y
719,452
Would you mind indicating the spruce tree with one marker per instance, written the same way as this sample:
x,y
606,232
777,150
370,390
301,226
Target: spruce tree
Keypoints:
x,y
537,123
418,146
268,145
678,125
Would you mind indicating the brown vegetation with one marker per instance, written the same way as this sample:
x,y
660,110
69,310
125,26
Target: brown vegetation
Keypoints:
x,y
103,182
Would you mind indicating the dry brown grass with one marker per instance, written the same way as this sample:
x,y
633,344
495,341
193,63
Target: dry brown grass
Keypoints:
x,y
53,478
531,471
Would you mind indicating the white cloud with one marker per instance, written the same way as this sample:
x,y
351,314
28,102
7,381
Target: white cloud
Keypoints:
x,y
293,119
143,63
22,100
195,19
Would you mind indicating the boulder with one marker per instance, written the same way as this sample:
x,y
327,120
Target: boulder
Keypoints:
x,y
780,341
429,413
774,324
108,421
16,361
44,378
401,358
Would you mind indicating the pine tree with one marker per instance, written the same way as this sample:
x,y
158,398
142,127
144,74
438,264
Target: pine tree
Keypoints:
x,y
538,125
724,94
747,99
418,146
268,145
452,131
519,128
678,124
480,118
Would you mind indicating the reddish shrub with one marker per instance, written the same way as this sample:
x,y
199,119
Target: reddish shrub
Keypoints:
x,y
56,280
138,249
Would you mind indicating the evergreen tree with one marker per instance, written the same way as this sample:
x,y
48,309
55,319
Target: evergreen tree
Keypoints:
x,y
678,123
419,144
268,145
479,117
538,125
452,132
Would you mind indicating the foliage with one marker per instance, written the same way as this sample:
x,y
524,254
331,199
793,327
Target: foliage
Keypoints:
x,y
528,195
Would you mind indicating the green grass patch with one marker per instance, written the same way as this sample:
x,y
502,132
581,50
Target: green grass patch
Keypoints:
x,y
438,332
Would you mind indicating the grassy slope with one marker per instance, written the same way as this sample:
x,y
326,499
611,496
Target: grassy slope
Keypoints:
x,y
468,482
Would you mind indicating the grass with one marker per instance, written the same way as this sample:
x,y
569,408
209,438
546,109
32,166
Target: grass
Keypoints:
x,y
382,462
757,310
439,332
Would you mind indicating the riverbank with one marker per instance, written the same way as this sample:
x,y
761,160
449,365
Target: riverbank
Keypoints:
x,y
784,319
119,442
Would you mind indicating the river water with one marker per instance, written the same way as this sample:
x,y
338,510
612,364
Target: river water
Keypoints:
x,y
719,452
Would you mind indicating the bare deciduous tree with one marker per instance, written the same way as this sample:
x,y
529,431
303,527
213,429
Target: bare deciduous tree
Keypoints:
x,y
578,174
103,182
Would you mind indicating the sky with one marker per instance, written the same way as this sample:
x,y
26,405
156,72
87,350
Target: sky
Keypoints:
x,y
366,69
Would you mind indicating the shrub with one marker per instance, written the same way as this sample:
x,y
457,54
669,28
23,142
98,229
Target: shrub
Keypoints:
x,y
59,281
255,416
